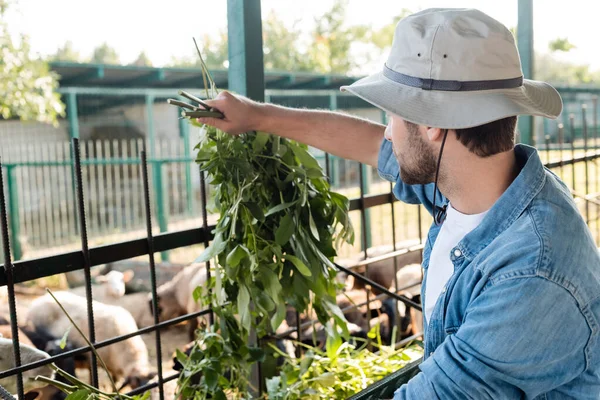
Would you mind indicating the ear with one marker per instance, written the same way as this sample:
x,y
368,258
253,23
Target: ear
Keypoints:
x,y
128,275
434,134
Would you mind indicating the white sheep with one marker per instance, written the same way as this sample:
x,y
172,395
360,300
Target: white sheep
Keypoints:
x,y
109,287
175,298
406,276
29,355
126,359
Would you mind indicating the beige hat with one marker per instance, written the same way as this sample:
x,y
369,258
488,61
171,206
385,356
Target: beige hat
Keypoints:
x,y
455,68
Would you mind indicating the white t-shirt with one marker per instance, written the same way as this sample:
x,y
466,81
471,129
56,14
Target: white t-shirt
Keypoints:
x,y
455,227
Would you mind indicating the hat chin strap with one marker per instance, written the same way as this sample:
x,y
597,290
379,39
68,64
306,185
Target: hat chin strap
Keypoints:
x,y
439,213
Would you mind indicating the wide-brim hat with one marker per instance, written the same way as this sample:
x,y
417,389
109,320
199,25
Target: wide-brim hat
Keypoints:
x,y
454,69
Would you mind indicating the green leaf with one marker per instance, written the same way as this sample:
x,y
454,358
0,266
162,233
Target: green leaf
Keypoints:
x,y
212,377
63,340
181,357
197,293
257,354
278,317
255,210
259,141
313,226
217,246
243,303
273,386
280,207
315,173
305,157
219,395
264,301
81,394
270,281
236,255
285,230
302,268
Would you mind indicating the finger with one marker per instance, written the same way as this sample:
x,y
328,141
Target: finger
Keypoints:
x,y
216,122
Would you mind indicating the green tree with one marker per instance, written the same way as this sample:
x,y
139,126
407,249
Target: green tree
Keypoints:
x,y
66,53
281,47
27,85
331,41
561,44
104,54
142,60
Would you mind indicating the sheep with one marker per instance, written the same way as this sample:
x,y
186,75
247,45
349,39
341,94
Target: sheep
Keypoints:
x,y
127,359
381,272
410,275
110,287
29,355
175,298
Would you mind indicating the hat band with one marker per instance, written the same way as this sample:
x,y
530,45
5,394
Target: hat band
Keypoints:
x,y
453,86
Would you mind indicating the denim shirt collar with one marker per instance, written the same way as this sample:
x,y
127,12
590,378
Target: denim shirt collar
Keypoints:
x,y
510,205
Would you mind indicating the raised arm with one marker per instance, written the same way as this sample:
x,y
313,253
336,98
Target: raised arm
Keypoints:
x,y
339,134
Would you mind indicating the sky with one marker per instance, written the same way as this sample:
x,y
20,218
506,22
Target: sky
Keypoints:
x,y
164,29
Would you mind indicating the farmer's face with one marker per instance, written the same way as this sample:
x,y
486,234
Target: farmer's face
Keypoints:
x,y
414,154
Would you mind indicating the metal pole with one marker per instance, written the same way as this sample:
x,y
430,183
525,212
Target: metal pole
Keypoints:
x,y
86,255
150,239
8,269
184,130
525,46
246,76
572,126
585,152
13,211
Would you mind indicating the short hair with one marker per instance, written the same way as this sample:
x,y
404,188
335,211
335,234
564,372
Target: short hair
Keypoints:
x,y
489,139
484,140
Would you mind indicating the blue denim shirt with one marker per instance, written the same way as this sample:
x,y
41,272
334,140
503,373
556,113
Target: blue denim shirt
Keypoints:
x,y
520,316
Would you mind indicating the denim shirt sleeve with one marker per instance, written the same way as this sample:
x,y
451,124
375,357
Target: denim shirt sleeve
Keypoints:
x,y
494,355
388,168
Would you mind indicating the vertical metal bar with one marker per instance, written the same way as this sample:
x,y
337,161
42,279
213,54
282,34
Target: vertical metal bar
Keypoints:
x,y
246,66
13,210
86,255
72,115
396,312
246,72
572,126
150,240
365,215
525,46
109,184
597,177
8,268
327,169
185,134
118,189
586,162
211,315
547,143
159,193
126,184
561,132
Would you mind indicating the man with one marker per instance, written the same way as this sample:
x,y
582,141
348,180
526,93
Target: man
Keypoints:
x,y
512,273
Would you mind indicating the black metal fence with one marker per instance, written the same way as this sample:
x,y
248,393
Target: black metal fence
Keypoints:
x,y
576,161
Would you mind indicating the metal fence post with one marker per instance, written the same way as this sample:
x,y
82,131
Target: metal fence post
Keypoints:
x,y
184,131
156,171
13,211
365,184
160,202
247,77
